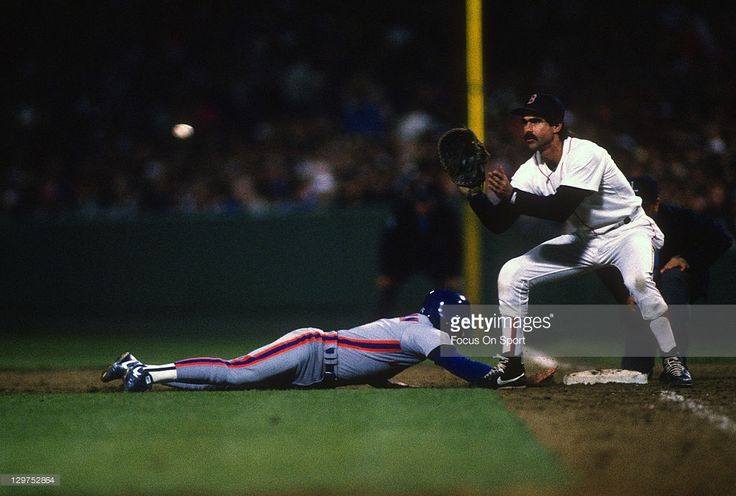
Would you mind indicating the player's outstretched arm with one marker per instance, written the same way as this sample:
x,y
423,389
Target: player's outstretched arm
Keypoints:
x,y
447,357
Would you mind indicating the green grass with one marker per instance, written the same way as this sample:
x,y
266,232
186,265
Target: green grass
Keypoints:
x,y
341,441
251,442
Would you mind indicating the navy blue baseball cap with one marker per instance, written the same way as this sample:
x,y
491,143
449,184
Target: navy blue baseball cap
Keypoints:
x,y
645,187
542,105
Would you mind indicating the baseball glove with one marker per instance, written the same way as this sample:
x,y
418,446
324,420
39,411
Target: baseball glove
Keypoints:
x,y
463,157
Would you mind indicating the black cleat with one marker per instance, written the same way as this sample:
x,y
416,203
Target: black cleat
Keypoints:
x,y
137,380
508,374
675,373
119,367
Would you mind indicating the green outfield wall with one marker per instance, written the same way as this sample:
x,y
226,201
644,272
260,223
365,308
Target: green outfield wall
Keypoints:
x,y
203,265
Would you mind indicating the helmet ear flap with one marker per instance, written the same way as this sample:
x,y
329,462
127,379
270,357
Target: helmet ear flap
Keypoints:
x,y
434,315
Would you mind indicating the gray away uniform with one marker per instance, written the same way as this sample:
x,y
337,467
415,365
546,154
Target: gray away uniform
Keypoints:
x,y
368,354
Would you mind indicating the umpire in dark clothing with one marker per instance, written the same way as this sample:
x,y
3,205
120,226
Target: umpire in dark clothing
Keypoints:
x,y
692,244
423,234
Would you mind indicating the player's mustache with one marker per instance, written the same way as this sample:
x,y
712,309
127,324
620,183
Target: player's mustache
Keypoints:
x,y
529,136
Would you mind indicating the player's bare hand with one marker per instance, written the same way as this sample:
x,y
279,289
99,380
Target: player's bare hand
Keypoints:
x,y
499,183
676,262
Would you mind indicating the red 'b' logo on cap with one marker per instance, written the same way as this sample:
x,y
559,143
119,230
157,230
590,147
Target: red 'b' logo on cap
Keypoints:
x,y
532,99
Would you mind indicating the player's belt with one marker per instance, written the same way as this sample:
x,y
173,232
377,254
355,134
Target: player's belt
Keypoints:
x,y
611,227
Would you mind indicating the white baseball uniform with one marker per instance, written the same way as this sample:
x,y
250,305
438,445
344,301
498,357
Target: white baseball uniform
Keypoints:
x,y
609,227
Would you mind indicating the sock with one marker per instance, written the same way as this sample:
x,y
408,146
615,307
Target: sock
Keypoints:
x,y
162,373
663,333
512,344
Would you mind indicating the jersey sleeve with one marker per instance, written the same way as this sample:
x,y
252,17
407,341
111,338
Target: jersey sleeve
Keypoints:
x,y
421,340
584,169
523,178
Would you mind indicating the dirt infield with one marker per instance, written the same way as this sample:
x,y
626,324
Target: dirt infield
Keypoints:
x,y
633,439
617,439
628,439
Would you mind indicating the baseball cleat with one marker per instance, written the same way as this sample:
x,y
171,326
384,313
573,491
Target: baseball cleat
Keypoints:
x,y
675,373
508,374
137,380
119,367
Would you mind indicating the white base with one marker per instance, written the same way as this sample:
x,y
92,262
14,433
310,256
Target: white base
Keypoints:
x,y
605,376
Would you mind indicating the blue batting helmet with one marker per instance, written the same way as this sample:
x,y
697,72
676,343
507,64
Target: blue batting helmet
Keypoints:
x,y
434,302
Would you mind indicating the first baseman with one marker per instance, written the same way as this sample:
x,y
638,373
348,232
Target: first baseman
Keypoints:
x,y
571,180
693,242
312,358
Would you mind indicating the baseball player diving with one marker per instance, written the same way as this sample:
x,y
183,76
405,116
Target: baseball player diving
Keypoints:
x,y
569,180
312,358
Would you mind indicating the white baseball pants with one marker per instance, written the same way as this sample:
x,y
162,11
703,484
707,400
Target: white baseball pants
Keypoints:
x,y
629,247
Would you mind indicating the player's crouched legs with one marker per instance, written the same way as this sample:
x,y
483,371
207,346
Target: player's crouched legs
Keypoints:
x,y
513,286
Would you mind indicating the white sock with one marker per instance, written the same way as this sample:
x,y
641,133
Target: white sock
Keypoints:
x,y
162,373
662,330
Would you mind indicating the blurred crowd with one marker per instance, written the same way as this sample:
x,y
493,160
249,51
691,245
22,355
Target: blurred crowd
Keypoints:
x,y
299,105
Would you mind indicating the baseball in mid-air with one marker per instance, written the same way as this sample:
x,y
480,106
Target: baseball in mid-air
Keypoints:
x,y
182,131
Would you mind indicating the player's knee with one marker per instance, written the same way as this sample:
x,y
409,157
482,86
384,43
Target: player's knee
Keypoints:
x,y
240,377
510,277
639,282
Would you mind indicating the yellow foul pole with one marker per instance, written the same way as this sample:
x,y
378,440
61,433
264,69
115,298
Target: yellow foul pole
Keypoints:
x,y
476,122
